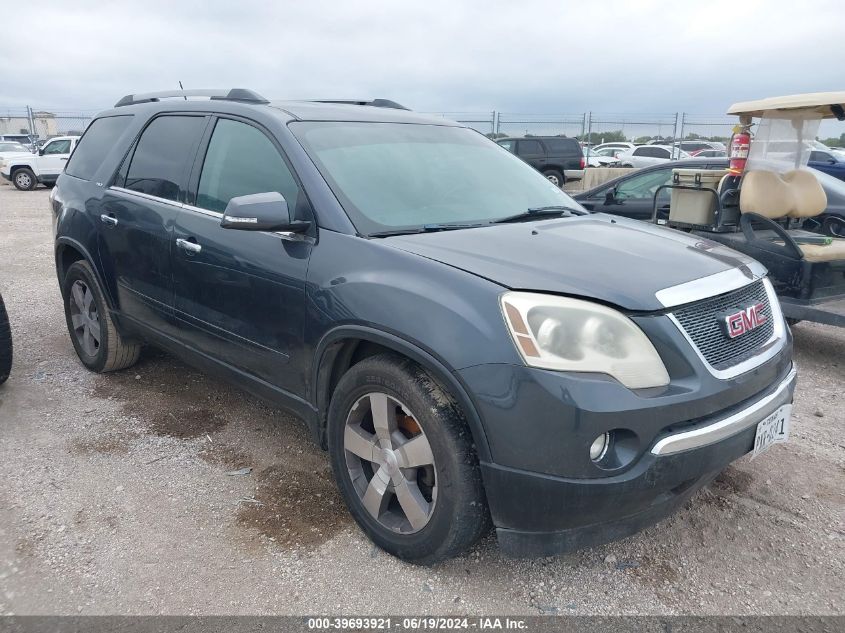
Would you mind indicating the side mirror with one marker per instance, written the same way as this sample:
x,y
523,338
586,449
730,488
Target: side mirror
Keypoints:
x,y
610,197
261,212
41,151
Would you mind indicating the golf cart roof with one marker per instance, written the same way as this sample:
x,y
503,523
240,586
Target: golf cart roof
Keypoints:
x,y
827,104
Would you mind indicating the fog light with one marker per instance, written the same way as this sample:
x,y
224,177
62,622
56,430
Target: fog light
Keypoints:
x,y
599,447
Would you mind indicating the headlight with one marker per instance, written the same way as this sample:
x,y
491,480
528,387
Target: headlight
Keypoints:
x,y
574,335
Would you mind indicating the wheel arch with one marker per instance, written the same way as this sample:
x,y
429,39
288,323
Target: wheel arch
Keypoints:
x,y
344,346
68,251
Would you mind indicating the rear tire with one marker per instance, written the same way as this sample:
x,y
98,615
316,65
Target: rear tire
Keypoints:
x,y
429,511
555,177
96,341
5,344
24,179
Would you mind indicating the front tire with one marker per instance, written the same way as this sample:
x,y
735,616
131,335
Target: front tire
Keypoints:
x,y
555,177
403,458
96,341
24,179
5,344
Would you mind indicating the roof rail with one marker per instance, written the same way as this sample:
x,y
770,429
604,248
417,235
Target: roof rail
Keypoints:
x,y
235,94
375,103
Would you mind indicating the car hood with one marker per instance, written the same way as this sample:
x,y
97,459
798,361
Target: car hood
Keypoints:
x,y
614,260
15,155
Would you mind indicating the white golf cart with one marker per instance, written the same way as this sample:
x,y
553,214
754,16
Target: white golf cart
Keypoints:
x,y
757,206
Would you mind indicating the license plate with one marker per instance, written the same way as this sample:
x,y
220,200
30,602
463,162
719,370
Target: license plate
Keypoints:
x,y
773,430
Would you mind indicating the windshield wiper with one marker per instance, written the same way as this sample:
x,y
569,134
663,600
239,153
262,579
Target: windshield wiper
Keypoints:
x,y
536,212
425,228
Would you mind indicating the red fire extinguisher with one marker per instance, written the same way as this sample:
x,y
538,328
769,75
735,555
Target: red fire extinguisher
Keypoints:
x,y
740,144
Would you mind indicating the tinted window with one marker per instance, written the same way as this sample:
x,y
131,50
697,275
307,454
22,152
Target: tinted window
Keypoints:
x,y
241,160
158,162
98,140
530,147
57,147
644,185
562,146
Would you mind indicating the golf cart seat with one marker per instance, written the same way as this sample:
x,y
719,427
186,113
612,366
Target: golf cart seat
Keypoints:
x,y
794,194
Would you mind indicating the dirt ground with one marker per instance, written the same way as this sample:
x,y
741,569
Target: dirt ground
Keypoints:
x,y
118,496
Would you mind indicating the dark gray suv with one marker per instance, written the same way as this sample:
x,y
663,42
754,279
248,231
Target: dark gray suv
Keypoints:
x,y
468,343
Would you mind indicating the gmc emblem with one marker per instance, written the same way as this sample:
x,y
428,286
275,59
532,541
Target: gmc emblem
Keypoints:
x,y
738,323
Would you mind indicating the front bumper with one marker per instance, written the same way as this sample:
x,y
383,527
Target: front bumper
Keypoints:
x,y
538,514
6,176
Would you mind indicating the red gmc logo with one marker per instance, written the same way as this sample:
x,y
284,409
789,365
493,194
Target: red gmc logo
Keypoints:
x,y
745,320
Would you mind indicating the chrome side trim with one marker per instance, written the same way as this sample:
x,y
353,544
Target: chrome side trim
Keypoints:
x,y
711,285
768,350
731,425
147,196
285,235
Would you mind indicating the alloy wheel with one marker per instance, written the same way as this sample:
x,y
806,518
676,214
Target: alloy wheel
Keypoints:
x,y
390,463
85,317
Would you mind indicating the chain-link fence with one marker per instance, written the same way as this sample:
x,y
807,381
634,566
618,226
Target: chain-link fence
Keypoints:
x,y
43,124
592,127
540,124
599,127
484,122
693,127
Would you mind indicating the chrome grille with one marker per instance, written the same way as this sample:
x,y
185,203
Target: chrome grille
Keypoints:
x,y
702,323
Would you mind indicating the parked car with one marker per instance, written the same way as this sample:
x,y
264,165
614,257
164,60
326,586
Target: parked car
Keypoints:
x,y
8,148
829,162
616,148
709,153
601,158
632,195
556,157
696,146
26,170
467,342
5,344
645,155
26,140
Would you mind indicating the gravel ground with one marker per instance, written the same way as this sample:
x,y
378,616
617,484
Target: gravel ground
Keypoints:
x,y
116,498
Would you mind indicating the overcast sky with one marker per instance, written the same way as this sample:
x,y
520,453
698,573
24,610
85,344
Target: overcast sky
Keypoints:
x,y
529,56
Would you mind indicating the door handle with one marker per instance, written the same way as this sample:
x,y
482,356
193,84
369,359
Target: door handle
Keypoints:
x,y
108,219
187,245
63,158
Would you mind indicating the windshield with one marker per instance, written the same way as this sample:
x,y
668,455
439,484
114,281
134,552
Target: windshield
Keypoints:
x,y
12,147
392,176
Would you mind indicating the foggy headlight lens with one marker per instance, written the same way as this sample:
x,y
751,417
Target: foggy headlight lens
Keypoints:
x,y
566,334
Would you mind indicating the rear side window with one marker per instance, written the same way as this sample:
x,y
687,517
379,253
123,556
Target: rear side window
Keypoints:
x,y
240,161
562,146
530,147
92,148
158,163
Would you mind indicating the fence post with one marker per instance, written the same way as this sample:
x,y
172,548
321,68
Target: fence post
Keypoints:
x,y
29,121
677,139
589,128
495,123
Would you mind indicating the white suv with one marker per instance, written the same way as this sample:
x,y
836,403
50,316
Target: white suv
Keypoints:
x,y
26,170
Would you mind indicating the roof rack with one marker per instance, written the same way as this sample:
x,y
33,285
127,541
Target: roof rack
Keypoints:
x,y
242,95
375,103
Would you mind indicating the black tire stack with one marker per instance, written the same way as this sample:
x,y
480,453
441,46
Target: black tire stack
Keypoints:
x,y
5,344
